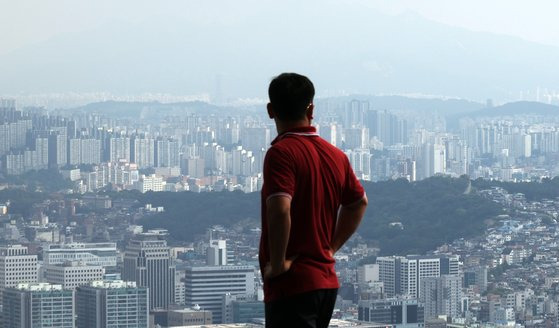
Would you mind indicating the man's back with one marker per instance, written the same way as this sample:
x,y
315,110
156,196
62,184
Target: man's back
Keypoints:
x,y
305,181
318,178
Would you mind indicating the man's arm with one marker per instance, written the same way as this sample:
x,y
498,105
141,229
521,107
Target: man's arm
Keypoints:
x,y
279,226
349,218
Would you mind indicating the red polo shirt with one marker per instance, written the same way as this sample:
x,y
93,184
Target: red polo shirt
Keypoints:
x,y
319,179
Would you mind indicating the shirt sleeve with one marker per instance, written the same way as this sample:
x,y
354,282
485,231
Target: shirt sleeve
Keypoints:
x,y
279,174
353,190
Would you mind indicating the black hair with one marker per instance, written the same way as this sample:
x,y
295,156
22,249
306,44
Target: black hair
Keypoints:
x,y
290,95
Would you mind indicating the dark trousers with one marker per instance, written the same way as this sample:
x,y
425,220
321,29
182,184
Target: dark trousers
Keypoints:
x,y
312,309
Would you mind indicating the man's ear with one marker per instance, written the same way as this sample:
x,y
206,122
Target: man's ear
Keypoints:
x,y
310,111
270,109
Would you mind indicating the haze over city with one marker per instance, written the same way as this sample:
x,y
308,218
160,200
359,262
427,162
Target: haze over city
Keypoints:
x,y
224,51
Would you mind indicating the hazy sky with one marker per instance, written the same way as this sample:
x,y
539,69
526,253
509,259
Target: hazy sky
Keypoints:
x,y
24,22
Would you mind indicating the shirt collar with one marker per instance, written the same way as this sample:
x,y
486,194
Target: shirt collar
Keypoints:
x,y
306,131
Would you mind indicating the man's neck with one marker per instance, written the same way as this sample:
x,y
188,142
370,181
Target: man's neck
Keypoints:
x,y
283,126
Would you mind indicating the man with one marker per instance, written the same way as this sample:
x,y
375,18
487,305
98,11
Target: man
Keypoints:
x,y
311,204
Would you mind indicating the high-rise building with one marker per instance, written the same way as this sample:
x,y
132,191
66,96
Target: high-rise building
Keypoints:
x,y
167,153
476,276
143,152
355,112
257,138
17,266
149,263
38,305
73,274
93,254
119,149
105,304
206,286
441,296
360,160
195,167
84,151
402,275
356,138
58,147
216,253
367,273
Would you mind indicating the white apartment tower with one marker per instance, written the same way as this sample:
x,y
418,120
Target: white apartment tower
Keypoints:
x,y
441,296
402,275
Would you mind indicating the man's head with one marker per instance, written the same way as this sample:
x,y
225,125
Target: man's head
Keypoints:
x,y
291,96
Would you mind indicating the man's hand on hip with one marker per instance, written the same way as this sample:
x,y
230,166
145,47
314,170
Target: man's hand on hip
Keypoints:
x,y
272,272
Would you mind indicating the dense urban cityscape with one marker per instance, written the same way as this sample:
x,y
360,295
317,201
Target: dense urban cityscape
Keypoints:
x,y
80,255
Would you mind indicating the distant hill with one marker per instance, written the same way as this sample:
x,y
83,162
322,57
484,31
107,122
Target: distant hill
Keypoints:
x,y
402,217
154,110
519,108
433,105
508,109
157,111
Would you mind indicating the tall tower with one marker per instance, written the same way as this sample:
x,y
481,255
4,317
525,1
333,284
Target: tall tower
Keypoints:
x,y
149,263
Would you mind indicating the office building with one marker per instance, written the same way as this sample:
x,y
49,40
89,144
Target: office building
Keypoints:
x,y
73,274
241,308
367,273
149,263
397,312
476,277
104,304
38,305
189,317
402,275
93,254
17,266
206,286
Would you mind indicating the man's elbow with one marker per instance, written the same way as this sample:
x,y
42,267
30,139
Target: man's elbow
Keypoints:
x,y
360,204
364,201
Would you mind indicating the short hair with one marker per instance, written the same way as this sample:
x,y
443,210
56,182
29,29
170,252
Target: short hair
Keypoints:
x,y
290,95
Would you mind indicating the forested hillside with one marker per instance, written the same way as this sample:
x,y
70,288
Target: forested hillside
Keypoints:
x,y
402,217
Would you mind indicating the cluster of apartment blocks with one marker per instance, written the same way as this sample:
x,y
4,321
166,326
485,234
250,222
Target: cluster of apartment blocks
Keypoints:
x,y
412,290
32,141
221,150
82,279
